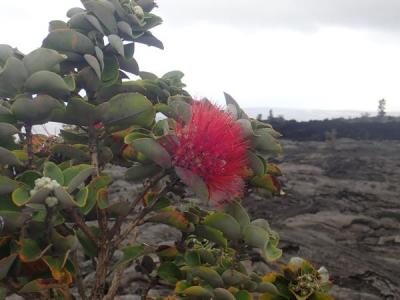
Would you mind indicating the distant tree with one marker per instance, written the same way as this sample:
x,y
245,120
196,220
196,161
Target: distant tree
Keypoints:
x,y
382,108
271,115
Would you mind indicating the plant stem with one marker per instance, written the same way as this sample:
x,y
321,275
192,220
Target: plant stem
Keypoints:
x,y
78,219
116,282
115,230
29,145
79,278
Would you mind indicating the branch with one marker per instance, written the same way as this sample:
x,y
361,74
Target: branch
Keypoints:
x,y
120,220
29,145
139,219
116,282
79,277
78,219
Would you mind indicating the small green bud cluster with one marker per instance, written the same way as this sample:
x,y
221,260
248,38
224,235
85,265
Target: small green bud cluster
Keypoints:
x,y
305,284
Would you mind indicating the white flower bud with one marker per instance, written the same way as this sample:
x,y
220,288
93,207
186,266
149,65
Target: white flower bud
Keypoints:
x,y
138,11
51,201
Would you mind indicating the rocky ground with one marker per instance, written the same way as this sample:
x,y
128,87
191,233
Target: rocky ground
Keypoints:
x,y
342,210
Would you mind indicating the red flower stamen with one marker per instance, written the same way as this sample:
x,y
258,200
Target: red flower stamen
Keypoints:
x,y
212,146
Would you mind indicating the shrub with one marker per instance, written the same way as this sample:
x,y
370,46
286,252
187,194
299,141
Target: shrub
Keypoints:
x,y
55,207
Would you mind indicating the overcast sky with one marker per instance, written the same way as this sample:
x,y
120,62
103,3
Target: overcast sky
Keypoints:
x,y
313,54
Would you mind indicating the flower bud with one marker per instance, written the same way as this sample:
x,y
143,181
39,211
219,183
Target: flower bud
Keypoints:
x,y
51,201
138,11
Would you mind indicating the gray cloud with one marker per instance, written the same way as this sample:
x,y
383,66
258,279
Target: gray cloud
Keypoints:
x,y
292,14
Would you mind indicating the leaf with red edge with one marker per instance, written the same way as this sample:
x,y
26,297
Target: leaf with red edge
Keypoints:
x,y
38,285
273,169
173,218
30,251
267,182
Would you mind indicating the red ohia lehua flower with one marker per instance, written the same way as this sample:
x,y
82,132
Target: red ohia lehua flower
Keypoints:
x,y
212,146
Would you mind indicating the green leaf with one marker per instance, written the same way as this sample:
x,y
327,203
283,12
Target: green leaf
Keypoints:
x,y
104,13
74,11
321,296
265,142
132,253
224,223
94,63
57,24
79,112
52,171
169,272
63,243
267,287
6,115
256,163
70,152
232,102
265,181
42,59
234,278
20,196
223,294
7,130
271,252
243,295
125,28
95,23
66,200
81,197
236,210
8,158
125,110
5,265
80,178
198,292
5,52
35,111
69,40
192,258
12,77
211,234
100,57
30,251
129,65
194,181
117,44
39,285
110,73
47,82
129,138
150,40
13,220
7,185
89,247
183,110
173,218
209,275
73,171
154,151
94,186
255,236
138,172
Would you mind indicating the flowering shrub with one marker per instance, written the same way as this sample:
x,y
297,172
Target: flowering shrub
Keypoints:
x,y
56,212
